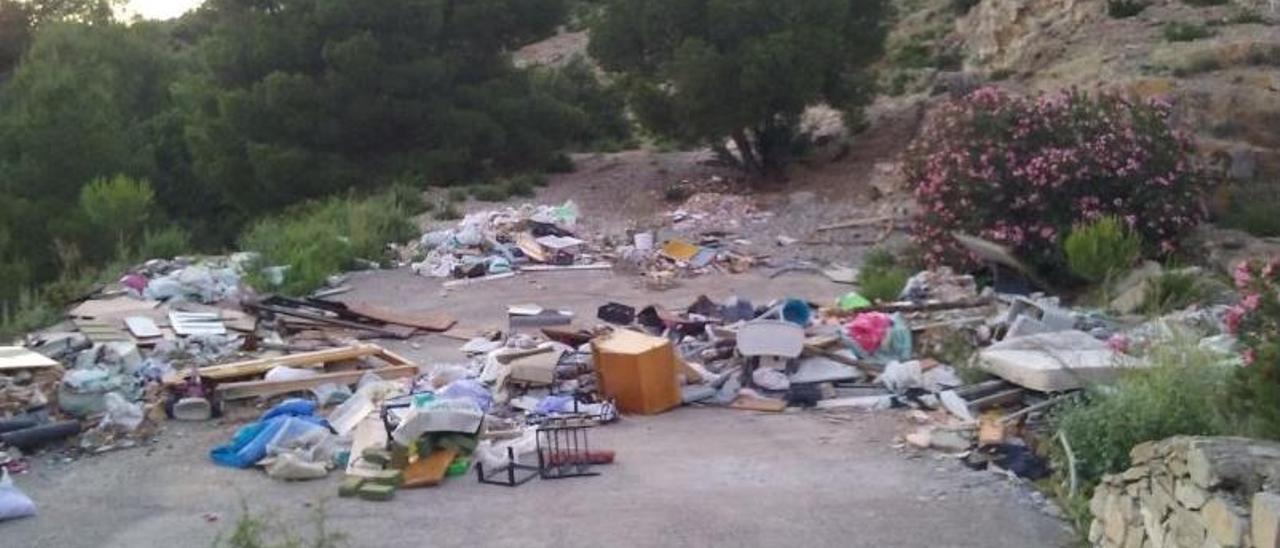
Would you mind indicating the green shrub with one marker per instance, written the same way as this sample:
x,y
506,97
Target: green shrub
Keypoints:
x,y
519,187
458,194
489,192
1172,291
1120,9
30,311
258,529
321,238
118,206
448,211
1101,249
1247,17
560,163
1205,3
962,7
1178,395
409,197
881,278
164,243
1185,32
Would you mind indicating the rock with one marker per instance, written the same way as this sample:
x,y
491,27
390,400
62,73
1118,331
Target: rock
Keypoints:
x,y
1142,453
945,440
1225,522
1186,529
1095,532
1131,290
1135,473
1244,163
1134,537
920,438
1190,496
1098,504
1266,520
1153,531
1117,517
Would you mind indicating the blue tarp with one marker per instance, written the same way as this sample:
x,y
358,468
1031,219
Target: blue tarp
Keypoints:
x,y
249,445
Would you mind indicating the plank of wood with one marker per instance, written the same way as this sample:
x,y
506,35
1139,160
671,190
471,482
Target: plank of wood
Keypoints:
x,y
427,321
751,403
393,358
16,357
315,359
855,223
429,471
554,268
250,389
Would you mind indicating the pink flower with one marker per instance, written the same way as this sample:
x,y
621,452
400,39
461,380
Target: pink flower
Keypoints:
x,y
1233,317
1242,275
1251,301
1249,356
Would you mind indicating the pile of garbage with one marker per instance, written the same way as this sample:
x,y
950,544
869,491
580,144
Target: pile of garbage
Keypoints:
x,y
498,242
715,210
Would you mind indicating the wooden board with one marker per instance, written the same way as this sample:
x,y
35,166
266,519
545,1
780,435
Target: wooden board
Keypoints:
x,y
751,403
116,308
426,321
142,327
13,358
304,360
429,471
99,331
250,389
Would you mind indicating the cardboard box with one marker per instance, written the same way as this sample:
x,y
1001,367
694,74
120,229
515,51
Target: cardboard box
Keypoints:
x,y
638,371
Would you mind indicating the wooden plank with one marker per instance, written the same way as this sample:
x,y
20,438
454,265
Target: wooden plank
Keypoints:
x,y
142,327
751,403
250,389
427,321
315,359
16,357
429,471
554,268
393,358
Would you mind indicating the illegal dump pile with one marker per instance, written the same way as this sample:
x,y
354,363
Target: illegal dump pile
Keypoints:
x,y
498,244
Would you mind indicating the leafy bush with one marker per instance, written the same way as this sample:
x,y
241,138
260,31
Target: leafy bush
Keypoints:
x,y
458,194
1179,394
30,311
1256,212
881,278
1173,291
1256,322
962,7
321,238
1021,171
1101,249
602,107
489,192
118,206
1185,32
167,242
519,187
1205,3
1121,9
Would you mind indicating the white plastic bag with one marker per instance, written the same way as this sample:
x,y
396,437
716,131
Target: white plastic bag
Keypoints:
x,y
13,503
122,412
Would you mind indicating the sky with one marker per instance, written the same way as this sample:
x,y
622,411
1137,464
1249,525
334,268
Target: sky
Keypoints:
x,y
160,9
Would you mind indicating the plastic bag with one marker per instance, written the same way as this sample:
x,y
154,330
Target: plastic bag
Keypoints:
x,y
769,378
14,503
869,330
122,412
249,445
495,455
470,390
894,345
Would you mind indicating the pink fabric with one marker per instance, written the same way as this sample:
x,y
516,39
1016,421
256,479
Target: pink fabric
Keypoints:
x,y
136,282
869,329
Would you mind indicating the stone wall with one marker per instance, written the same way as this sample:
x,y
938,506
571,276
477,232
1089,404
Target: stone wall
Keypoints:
x,y
1191,492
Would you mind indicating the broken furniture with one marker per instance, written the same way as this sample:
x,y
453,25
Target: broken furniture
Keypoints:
x,y
564,449
511,474
399,367
638,371
778,339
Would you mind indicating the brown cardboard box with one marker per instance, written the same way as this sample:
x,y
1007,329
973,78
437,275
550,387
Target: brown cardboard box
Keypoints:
x,y
638,371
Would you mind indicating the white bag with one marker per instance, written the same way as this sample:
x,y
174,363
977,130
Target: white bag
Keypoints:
x,y
13,503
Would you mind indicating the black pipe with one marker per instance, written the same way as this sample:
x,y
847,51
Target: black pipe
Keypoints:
x,y
30,438
17,423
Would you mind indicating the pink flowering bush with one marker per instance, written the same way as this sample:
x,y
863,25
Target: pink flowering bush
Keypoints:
x,y
1255,321
1022,171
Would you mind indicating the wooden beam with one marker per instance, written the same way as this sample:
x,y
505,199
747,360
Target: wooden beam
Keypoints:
x,y
250,389
997,399
855,223
304,360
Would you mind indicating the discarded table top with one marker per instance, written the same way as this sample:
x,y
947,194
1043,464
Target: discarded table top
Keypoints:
x,y
1054,362
13,358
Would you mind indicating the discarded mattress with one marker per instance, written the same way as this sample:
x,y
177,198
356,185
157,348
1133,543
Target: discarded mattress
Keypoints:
x,y
1053,362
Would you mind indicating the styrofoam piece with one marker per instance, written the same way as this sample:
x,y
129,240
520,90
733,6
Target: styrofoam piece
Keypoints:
x,y
1054,362
770,338
819,369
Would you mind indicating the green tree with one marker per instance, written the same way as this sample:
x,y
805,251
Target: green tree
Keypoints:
x,y
82,105
19,18
703,71
304,98
118,206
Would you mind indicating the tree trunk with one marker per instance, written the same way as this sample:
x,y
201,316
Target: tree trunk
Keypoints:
x,y
746,151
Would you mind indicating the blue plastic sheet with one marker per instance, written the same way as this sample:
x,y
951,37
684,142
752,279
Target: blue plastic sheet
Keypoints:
x,y
249,445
